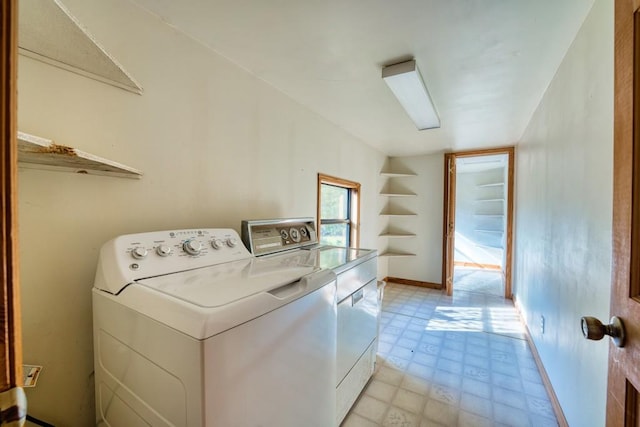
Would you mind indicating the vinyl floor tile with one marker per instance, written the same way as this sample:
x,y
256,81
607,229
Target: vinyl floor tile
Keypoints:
x,y
452,361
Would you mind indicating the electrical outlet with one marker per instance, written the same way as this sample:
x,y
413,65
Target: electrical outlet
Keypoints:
x,y
541,324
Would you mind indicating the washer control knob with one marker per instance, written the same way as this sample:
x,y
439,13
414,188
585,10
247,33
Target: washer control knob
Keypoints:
x,y
139,252
163,250
192,247
232,242
295,235
217,243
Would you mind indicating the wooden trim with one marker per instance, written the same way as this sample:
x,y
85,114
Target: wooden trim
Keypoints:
x,y
10,342
340,182
476,265
555,403
418,283
449,206
355,200
508,291
483,152
318,205
445,216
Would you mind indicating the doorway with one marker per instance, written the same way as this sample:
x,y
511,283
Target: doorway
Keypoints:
x,y
478,217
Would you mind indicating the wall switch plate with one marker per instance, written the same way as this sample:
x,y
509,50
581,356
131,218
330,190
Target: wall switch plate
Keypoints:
x,y
30,374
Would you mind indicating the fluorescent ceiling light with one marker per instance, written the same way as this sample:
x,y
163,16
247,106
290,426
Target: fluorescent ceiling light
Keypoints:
x,y
405,82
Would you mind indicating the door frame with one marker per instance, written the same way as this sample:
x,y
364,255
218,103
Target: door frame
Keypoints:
x,y
10,341
449,209
12,399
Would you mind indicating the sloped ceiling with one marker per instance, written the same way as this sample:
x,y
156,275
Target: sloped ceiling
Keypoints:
x,y
486,63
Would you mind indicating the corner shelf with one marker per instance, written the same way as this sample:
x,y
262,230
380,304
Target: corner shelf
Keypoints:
x,y
396,254
392,212
489,214
398,194
396,214
490,246
35,152
397,174
397,235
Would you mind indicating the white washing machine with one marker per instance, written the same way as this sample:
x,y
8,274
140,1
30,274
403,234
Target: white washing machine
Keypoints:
x,y
191,330
357,295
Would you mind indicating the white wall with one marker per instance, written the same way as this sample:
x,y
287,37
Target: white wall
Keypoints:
x,y
216,146
426,266
563,218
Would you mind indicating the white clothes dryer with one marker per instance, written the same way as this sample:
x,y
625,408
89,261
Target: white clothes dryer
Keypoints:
x,y
191,330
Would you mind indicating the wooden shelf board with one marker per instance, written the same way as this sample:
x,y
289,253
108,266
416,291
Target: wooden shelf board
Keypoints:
x,y
490,215
488,200
492,184
40,153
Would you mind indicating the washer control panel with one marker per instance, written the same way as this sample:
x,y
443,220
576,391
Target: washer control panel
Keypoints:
x,y
178,243
264,237
136,256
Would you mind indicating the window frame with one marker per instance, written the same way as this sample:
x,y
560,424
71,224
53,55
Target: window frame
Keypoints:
x,y
353,211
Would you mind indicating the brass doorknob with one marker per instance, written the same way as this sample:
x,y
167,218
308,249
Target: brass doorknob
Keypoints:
x,y
593,329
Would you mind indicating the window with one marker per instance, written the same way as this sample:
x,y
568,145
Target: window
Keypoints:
x,y
338,211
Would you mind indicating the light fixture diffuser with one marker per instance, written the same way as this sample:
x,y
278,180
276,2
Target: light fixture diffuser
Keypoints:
x,y
406,83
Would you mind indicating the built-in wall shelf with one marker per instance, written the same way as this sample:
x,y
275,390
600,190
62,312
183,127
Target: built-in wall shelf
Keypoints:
x,y
396,214
397,235
396,254
489,246
394,210
396,174
485,213
398,194
40,153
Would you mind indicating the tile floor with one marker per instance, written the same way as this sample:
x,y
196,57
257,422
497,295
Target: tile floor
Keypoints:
x,y
451,361
478,280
